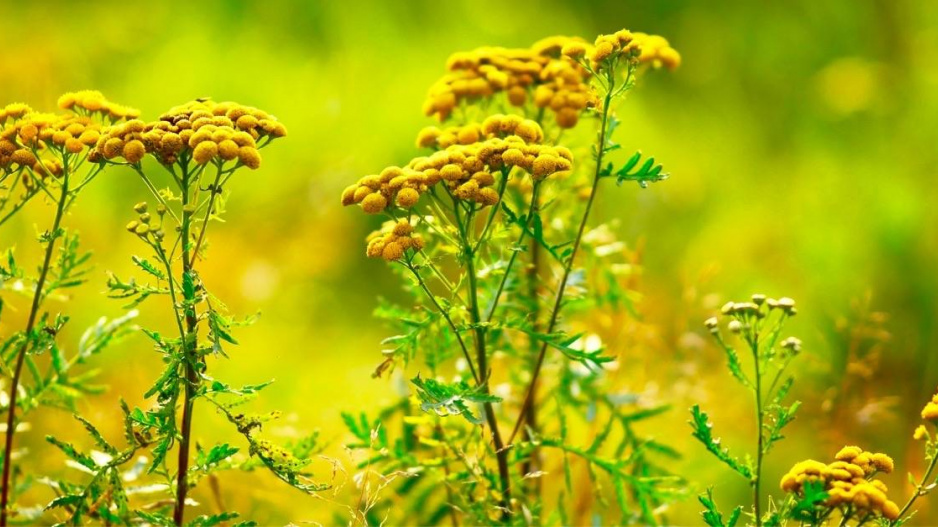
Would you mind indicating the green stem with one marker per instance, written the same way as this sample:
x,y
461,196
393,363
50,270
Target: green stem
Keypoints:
x,y
760,415
514,254
462,344
501,454
494,210
918,490
21,355
216,189
533,462
558,301
190,358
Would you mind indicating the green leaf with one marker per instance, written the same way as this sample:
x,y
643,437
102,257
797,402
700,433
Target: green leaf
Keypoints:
x,y
72,453
562,342
148,268
450,399
805,508
213,520
217,454
96,435
67,500
649,172
711,513
703,431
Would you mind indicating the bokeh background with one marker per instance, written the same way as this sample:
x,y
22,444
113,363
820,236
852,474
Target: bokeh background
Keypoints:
x,y
801,139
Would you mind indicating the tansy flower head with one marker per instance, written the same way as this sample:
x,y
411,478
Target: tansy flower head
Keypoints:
x,y
24,134
203,130
540,73
87,102
393,241
473,154
847,482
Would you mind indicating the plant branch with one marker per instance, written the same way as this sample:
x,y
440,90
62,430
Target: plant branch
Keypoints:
x,y
558,301
21,354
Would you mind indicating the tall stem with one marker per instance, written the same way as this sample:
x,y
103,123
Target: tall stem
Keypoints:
x,y
756,483
445,314
530,417
558,301
21,354
501,454
918,490
190,350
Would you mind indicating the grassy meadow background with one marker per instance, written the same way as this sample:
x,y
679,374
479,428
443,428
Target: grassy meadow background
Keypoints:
x,y
802,139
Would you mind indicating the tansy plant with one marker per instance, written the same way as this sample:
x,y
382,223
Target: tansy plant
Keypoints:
x,y
486,228
846,491
199,148
47,157
757,325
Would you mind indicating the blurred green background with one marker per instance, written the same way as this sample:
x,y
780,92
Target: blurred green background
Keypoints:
x,y
801,139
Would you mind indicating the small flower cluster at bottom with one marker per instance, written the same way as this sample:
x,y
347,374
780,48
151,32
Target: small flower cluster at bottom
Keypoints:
x,y
390,244
848,482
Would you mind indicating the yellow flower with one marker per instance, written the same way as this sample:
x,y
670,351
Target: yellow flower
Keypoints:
x,y
392,251
930,412
249,157
846,483
374,203
204,152
407,198
134,151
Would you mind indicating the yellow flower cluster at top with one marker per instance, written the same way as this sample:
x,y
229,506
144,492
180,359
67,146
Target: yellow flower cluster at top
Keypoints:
x,y
549,73
648,49
391,242
204,130
27,136
555,82
848,482
92,101
465,168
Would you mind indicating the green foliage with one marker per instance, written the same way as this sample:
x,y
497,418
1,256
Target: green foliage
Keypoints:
x,y
806,508
758,324
451,399
703,432
712,516
481,315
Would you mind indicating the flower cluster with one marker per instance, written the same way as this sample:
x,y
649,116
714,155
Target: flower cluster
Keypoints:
x,y
564,88
87,102
13,112
143,226
27,135
744,313
848,482
486,71
643,48
205,131
393,240
467,170
930,412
